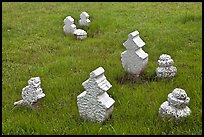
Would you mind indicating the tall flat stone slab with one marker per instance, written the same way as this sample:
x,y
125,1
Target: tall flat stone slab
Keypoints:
x,y
165,69
94,103
69,26
176,105
134,59
31,93
84,19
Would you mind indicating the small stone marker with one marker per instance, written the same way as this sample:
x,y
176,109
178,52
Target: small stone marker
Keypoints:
x,y
31,93
80,34
165,69
69,26
176,105
94,103
134,59
84,19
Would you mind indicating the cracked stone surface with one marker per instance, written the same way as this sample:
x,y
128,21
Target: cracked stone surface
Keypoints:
x,y
31,93
94,103
84,19
80,34
134,59
176,105
165,69
69,26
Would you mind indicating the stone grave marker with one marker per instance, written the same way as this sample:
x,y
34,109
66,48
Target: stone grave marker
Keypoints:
x,y
84,19
31,93
165,69
94,103
69,26
80,34
176,105
134,59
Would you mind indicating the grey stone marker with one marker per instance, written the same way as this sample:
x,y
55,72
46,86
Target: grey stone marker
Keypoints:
x,y
31,93
134,59
94,103
69,26
165,69
176,105
84,19
80,34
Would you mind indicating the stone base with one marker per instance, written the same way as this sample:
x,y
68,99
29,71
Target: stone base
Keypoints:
x,y
168,111
164,72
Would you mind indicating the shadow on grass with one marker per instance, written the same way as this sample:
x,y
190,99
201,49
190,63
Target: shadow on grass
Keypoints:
x,y
143,78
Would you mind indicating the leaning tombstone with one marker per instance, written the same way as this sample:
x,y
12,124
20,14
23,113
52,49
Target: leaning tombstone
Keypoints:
x,y
69,26
134,59
31,93
84,19
165,69
94,103
176,105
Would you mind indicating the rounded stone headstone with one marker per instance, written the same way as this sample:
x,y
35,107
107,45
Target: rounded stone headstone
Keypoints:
x,y
165,69
176,105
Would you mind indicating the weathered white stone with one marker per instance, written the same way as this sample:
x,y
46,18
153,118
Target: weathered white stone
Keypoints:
x,y
84,19
69,26
134,59
31,93
176,105
165,69
94,103
80,34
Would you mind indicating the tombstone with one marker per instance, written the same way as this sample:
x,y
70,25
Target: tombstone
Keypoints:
x,y
176,105
134,59
94,103
84,19
69,26
165,69
80,34
31,93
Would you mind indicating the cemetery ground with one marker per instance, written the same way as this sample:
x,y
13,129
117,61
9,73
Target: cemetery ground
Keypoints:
x,y
33,44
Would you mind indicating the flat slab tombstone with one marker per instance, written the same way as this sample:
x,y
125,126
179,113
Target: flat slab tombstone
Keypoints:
x,y
94,103
84,19
176,105
134,59
165,69
31,93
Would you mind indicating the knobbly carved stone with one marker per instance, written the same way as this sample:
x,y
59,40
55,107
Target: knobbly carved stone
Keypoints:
x,y
94,103
80,34
134,59
31,93
165,69
176,105
84,19
69,26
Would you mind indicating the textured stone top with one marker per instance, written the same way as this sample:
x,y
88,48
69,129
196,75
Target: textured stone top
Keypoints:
x,y
80,32
68,20
34,82
134,41
84,15
178,98
165,60
97,80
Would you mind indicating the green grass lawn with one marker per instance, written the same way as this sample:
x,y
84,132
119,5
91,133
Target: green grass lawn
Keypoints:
x,y
33,44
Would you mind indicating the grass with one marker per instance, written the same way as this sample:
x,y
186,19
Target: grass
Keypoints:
x,y
33,44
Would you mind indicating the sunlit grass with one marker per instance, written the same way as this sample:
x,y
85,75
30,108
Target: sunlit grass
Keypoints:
x,y
33,44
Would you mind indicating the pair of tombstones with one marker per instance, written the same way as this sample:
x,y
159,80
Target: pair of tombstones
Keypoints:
x,y
70,28
134,59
